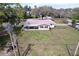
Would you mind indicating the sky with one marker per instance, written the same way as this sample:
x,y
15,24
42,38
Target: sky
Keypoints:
x,y
42,1
57,6
53,3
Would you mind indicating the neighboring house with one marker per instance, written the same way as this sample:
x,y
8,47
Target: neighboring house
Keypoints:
x,y
38,24
47,17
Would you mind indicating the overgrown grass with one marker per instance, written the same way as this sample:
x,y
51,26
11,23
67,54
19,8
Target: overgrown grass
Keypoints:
x,y
34,53
49,42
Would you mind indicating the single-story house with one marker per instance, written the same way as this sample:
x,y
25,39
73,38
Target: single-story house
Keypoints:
x,y
38,24
47,17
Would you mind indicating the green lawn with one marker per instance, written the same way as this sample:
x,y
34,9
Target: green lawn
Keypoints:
x,y
50,42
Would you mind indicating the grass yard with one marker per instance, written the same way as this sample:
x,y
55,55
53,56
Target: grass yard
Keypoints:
x,y
59,20
50,42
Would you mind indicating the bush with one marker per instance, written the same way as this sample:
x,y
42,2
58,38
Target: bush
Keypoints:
x,y
4,40
73,21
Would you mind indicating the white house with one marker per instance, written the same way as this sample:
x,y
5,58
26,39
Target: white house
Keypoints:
x,y
47,17
38,24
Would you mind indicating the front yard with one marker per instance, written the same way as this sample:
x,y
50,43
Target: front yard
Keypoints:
x,y
58,41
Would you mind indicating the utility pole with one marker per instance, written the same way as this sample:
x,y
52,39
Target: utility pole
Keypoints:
x,y
76,50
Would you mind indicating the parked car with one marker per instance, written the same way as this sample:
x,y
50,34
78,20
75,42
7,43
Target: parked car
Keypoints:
x,y
69,22
77,26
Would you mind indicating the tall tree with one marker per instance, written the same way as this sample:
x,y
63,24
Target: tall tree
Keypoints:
x,y
19,11
27,13
8,12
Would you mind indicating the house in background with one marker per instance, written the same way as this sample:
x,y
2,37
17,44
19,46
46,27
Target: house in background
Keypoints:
x,y
38,24
48,17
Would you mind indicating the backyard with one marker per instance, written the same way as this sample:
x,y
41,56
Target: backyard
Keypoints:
x,y
58,41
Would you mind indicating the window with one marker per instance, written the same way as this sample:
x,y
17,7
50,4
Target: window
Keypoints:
x,y
46,26
26,27
51,24
33,27
41,26
36,27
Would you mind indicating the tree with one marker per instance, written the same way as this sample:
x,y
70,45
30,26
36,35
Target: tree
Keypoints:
x,y
44,11
8,13
75,15
19,11
27,13
10,17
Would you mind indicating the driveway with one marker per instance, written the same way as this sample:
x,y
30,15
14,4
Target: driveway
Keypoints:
x,y
61,24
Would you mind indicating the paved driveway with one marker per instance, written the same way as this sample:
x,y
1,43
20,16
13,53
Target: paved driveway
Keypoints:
x,y
61,24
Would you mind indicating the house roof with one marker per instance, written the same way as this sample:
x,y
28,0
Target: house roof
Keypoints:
x,y
39,21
